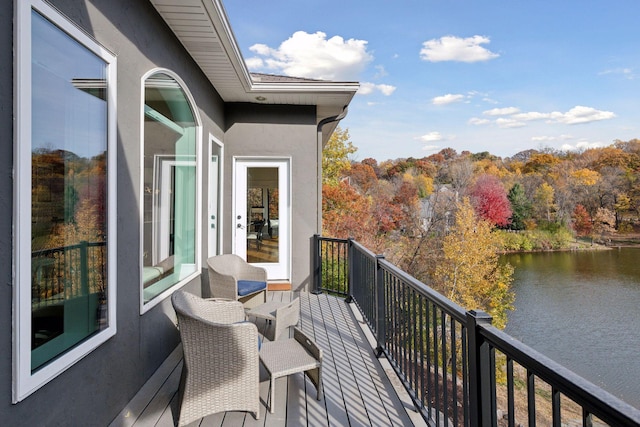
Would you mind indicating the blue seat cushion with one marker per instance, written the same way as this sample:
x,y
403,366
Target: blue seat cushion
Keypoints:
x,y
247,287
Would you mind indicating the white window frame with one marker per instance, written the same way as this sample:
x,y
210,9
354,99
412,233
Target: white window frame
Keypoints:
x,y
217,181
24,381
144,307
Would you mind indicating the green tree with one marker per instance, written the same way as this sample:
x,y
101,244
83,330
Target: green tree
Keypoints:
x,y
335,156
470,273
520,207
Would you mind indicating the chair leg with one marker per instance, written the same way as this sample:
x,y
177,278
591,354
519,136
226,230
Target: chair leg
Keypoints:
x,y
320,389
272,392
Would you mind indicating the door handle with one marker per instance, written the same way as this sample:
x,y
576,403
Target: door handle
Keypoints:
x,y
239,226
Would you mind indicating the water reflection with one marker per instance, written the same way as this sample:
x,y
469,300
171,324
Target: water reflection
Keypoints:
x,y
579,308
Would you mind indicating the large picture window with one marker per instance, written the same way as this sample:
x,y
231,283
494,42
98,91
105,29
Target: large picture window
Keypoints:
x,y
65,196
170,234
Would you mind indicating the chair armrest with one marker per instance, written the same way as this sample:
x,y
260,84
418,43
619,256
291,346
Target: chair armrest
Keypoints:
x,y
222,285
307,343
252,272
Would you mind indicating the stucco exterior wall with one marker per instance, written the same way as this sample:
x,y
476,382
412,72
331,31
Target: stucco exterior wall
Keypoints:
x,y
287,132
95,389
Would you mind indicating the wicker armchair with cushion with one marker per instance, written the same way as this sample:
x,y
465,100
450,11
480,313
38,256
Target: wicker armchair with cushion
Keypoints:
x,y
221,362
232,277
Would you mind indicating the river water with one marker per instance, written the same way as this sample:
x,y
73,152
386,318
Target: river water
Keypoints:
x,y
582,309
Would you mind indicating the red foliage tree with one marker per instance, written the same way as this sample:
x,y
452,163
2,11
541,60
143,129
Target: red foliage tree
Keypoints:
x,y
490,201
582,223
345,212
363,176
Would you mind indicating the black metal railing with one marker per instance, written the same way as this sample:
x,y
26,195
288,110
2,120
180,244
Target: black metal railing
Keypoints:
x,y
458,369
67,272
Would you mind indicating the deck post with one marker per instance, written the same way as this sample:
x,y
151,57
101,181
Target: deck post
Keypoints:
x,y
350,271
381,333
316,265
481,371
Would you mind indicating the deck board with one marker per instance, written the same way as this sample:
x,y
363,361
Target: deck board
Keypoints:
x,y
357,392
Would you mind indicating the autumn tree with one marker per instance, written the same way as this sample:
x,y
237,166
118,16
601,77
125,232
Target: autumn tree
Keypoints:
x,y
621,206
470,273
604,224
406,198
460,174
363,176
543,200
540,162
335,156
424,185
581,221
490,200
345,212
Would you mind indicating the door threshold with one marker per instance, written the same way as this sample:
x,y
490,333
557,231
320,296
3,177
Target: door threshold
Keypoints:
x,y
278,286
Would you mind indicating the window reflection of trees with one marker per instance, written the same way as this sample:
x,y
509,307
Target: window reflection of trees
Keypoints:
x,y
68,236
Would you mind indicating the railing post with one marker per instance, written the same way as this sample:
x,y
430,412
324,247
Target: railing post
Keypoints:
x,y
381,332
84,268
317,266
481,372
350,270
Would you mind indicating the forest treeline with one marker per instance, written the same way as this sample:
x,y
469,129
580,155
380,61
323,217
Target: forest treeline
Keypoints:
x,y
446,217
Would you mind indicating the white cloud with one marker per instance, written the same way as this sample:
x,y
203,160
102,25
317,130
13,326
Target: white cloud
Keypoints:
x,y
431,137
583,145
255,63
478,121
580,114
380,71
510,117
313,56
501,111
451,48
367,88
545,138
577,115
386,89
430,148
533,115
627,73
447,99
509,123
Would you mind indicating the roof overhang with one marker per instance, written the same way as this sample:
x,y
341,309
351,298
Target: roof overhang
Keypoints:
x,y
202,26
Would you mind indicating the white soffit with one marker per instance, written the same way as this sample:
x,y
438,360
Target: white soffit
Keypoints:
x,y
204,30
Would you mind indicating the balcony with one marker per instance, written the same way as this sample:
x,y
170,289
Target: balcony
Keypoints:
x,y
357,390
458,369
398,353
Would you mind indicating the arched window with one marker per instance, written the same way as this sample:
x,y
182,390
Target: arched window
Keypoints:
x,y
170,196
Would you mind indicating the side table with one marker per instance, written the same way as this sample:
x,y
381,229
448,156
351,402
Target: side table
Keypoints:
x,y
290,356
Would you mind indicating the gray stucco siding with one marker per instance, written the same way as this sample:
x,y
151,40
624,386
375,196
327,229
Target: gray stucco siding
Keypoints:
x,y
94,390
287,132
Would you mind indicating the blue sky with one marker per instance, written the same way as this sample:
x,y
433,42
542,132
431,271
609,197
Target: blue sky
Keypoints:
x,y
484,75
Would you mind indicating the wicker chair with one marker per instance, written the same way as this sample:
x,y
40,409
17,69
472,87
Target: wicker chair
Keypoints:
x,y
233,278
221,370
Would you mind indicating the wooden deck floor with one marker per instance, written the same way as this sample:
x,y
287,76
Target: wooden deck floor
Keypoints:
x,y
357,391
